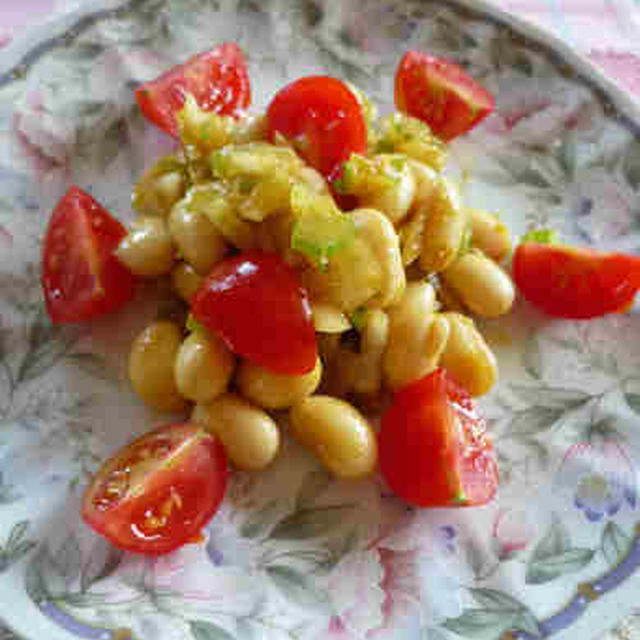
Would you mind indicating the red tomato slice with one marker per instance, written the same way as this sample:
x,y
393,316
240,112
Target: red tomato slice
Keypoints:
x,y
158,492
434,449
441,93
218,80
256,303
323,120
568,282
81,277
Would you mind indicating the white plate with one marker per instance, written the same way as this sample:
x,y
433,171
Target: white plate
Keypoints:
x,y
293,554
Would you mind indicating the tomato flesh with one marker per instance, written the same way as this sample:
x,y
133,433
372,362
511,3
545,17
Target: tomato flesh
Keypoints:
x,y
217,79
440,93
256,303
570,282
323,120
158,492
81,277
434,448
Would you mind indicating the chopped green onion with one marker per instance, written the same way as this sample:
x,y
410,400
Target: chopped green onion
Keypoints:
x,y
541,236
194,326
320,229
359,318
400,133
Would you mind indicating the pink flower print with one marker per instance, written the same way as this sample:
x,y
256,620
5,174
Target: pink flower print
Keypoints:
x,y
603,206
418,588
512,531
623,66
413,585
601,476
357,595
402,590
536,111
336,630
401,580
509,118
42,141
6,239
185,584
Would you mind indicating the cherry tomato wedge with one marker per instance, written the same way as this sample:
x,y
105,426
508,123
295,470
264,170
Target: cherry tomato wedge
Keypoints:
x,y
441,93
434,449
570,282
323,120
218,80
158,492
81,277
256,303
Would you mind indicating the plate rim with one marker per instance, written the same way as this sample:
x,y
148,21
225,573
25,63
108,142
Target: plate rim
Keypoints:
x,y
626,101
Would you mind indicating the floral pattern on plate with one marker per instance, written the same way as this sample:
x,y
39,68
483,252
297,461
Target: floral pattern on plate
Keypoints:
x,y
294,554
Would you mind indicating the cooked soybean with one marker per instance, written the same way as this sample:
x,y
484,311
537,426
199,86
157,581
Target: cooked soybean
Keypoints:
x,y
327,318
276,391
467,357
489,234
196,237
151,363
378,232
249,435
480,284
147,250
444,229
416,337
185,281
337,434
361,371
203,367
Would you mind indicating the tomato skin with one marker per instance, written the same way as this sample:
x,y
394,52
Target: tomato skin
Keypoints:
x,y
434,450
576,283
177,472
256,303
218,80
323,115
81,277
441,93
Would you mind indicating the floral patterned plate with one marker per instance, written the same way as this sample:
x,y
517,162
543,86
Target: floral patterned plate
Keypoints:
x,y
294,554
